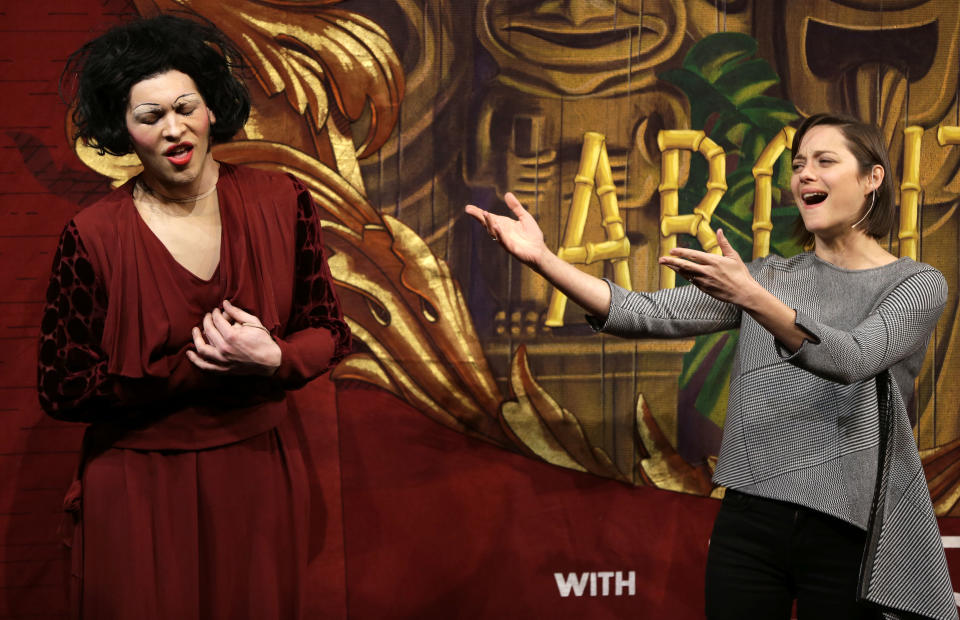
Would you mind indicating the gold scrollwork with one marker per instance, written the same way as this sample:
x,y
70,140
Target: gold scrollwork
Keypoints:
x,y
399,297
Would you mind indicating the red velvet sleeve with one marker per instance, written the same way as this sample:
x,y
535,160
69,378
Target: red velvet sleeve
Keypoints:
x,y
72,377
316,336
72,367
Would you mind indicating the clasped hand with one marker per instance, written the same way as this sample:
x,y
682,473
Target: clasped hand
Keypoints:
x,y
723,277
234,342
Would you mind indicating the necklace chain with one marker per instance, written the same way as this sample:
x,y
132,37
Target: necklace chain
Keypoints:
x,y
146,189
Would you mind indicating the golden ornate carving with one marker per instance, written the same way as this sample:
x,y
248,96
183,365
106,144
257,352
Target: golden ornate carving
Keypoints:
x,y
659,465
406,308
118,169
547,429
311,53
557,436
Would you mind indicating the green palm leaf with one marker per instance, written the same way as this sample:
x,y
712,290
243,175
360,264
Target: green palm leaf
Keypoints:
x,y
725,87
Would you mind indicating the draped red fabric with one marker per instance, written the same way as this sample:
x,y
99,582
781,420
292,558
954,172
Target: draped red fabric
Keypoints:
x,y
439,525
408,519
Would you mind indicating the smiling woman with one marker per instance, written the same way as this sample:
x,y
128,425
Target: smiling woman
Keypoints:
x,y
182,308
826,503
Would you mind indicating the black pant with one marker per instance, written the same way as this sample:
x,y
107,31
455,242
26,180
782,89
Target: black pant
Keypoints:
x,y
766,553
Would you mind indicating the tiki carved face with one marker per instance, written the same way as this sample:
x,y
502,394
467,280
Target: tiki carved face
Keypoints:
x,y
578,47
848,55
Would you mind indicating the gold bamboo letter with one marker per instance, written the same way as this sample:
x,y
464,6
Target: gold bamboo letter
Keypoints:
x,y
910,191
763,190
594,172
671,142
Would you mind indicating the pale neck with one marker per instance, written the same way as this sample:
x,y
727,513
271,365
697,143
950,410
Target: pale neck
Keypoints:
x,y
856,250
149,197
204,181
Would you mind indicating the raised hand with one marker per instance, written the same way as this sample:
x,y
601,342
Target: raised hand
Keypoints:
x,y
524,239
724,277
521,237
234,342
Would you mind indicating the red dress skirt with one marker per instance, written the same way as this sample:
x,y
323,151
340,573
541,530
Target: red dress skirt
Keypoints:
x,y
197,534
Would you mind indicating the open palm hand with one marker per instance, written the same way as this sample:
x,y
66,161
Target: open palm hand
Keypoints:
x,y
521,237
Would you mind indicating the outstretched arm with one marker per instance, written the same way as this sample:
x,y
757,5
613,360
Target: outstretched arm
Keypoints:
x,y
523,238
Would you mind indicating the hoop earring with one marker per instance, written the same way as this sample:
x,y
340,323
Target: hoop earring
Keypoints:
x,y
873,201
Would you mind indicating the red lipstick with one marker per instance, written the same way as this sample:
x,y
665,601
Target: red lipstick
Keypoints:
x,y
179,154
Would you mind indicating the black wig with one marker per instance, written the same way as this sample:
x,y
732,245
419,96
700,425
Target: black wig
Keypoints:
x,y
106,68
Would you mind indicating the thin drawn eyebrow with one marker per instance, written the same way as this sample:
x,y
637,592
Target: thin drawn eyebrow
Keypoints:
x,y
140,105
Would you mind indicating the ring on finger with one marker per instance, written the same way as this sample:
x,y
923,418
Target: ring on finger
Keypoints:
x,y
247,324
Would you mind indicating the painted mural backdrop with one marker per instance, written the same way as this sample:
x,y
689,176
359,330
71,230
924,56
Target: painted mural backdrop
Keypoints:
x,y
482,449
627,128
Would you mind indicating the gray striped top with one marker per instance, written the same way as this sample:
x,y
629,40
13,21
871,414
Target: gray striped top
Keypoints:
x,y
809,427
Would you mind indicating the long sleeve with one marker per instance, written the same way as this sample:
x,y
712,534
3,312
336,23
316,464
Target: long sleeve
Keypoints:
x,y
900,325
316,337
72,366
72,377
667,313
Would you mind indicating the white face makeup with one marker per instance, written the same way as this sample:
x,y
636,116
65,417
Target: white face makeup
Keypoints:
x,y
169,126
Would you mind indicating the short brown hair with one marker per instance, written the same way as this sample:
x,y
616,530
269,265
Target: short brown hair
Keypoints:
x,y
867,145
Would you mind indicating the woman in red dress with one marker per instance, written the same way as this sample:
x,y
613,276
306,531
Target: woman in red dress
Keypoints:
x,y
181,309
